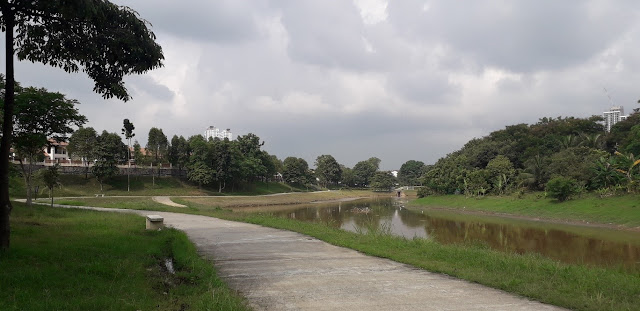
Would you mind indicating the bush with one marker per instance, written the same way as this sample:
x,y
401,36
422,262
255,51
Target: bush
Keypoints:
x,y
423,192
562,188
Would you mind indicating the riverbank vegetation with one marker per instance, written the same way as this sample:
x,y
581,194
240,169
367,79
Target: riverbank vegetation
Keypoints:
x,y
564,156
66,259
623,210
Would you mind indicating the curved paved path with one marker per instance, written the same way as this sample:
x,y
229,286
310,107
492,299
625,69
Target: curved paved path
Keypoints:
x,y
166,201
282,270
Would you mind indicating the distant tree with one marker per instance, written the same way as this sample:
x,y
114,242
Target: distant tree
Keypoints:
x,y
225,162
328,170
576,163
200,173
296,170
375,162
60,33
382,181
348,179
277,163
536,173
51,178
363,171
562,188
270,163
249,157
40,115
501,173
127,131
109,152
633,145
410,172
82,144
179,152
157,144
477,182
139,157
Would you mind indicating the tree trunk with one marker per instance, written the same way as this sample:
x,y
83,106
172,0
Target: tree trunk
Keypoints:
x,y
51,194
26,174
7,127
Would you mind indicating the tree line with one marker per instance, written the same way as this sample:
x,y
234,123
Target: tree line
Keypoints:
x,y
563,156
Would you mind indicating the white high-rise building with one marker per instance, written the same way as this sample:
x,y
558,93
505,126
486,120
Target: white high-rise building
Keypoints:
x,y
214,132
613,116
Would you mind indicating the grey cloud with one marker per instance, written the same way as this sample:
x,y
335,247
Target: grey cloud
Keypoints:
x,y
326,33
519,35
142,84
222,21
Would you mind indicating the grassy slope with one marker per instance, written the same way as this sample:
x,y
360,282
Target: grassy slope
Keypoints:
x,y
64,259
78,185
621,210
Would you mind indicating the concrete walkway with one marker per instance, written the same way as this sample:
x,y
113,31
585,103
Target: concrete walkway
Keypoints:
x,y
281,270
166,201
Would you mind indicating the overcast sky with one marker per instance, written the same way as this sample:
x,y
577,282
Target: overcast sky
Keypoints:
x,y
399,80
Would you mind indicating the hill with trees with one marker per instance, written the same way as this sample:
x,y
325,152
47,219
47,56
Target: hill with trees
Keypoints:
x,y
575,154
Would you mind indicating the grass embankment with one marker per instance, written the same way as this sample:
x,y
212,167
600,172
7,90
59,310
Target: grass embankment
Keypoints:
x,y
211,203
619,210
78,185
66,259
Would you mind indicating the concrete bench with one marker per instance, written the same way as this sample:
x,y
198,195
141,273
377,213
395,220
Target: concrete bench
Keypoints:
x,y
155,222
100,195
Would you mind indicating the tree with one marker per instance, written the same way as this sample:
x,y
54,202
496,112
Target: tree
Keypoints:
x,y
363,171
157,144
562,188
348,179
382,181
296,170
82,145
179,152
328,170
62,34
127,131
109,151
40,115
51,178
501,172
200,173
410,172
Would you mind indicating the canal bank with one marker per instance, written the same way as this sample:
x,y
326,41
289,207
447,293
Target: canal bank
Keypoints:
x,y
574,286
282,270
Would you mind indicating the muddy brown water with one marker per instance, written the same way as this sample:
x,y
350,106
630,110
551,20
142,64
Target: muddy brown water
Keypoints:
x,y
563,242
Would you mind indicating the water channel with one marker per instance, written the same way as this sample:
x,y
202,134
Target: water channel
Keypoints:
x,y
563,242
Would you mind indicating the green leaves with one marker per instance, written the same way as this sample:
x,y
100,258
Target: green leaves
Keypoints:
x,y
104,40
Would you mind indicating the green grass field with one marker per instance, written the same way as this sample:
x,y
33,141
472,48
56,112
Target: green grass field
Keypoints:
x,y
619,210
68,259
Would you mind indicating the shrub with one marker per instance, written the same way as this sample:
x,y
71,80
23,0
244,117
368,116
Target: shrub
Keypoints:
x,y
562,188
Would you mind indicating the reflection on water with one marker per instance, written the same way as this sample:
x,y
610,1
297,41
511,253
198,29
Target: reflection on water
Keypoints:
x,y
561,242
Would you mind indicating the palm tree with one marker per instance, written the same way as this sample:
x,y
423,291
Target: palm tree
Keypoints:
x,y
568,141
592,140
626,164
